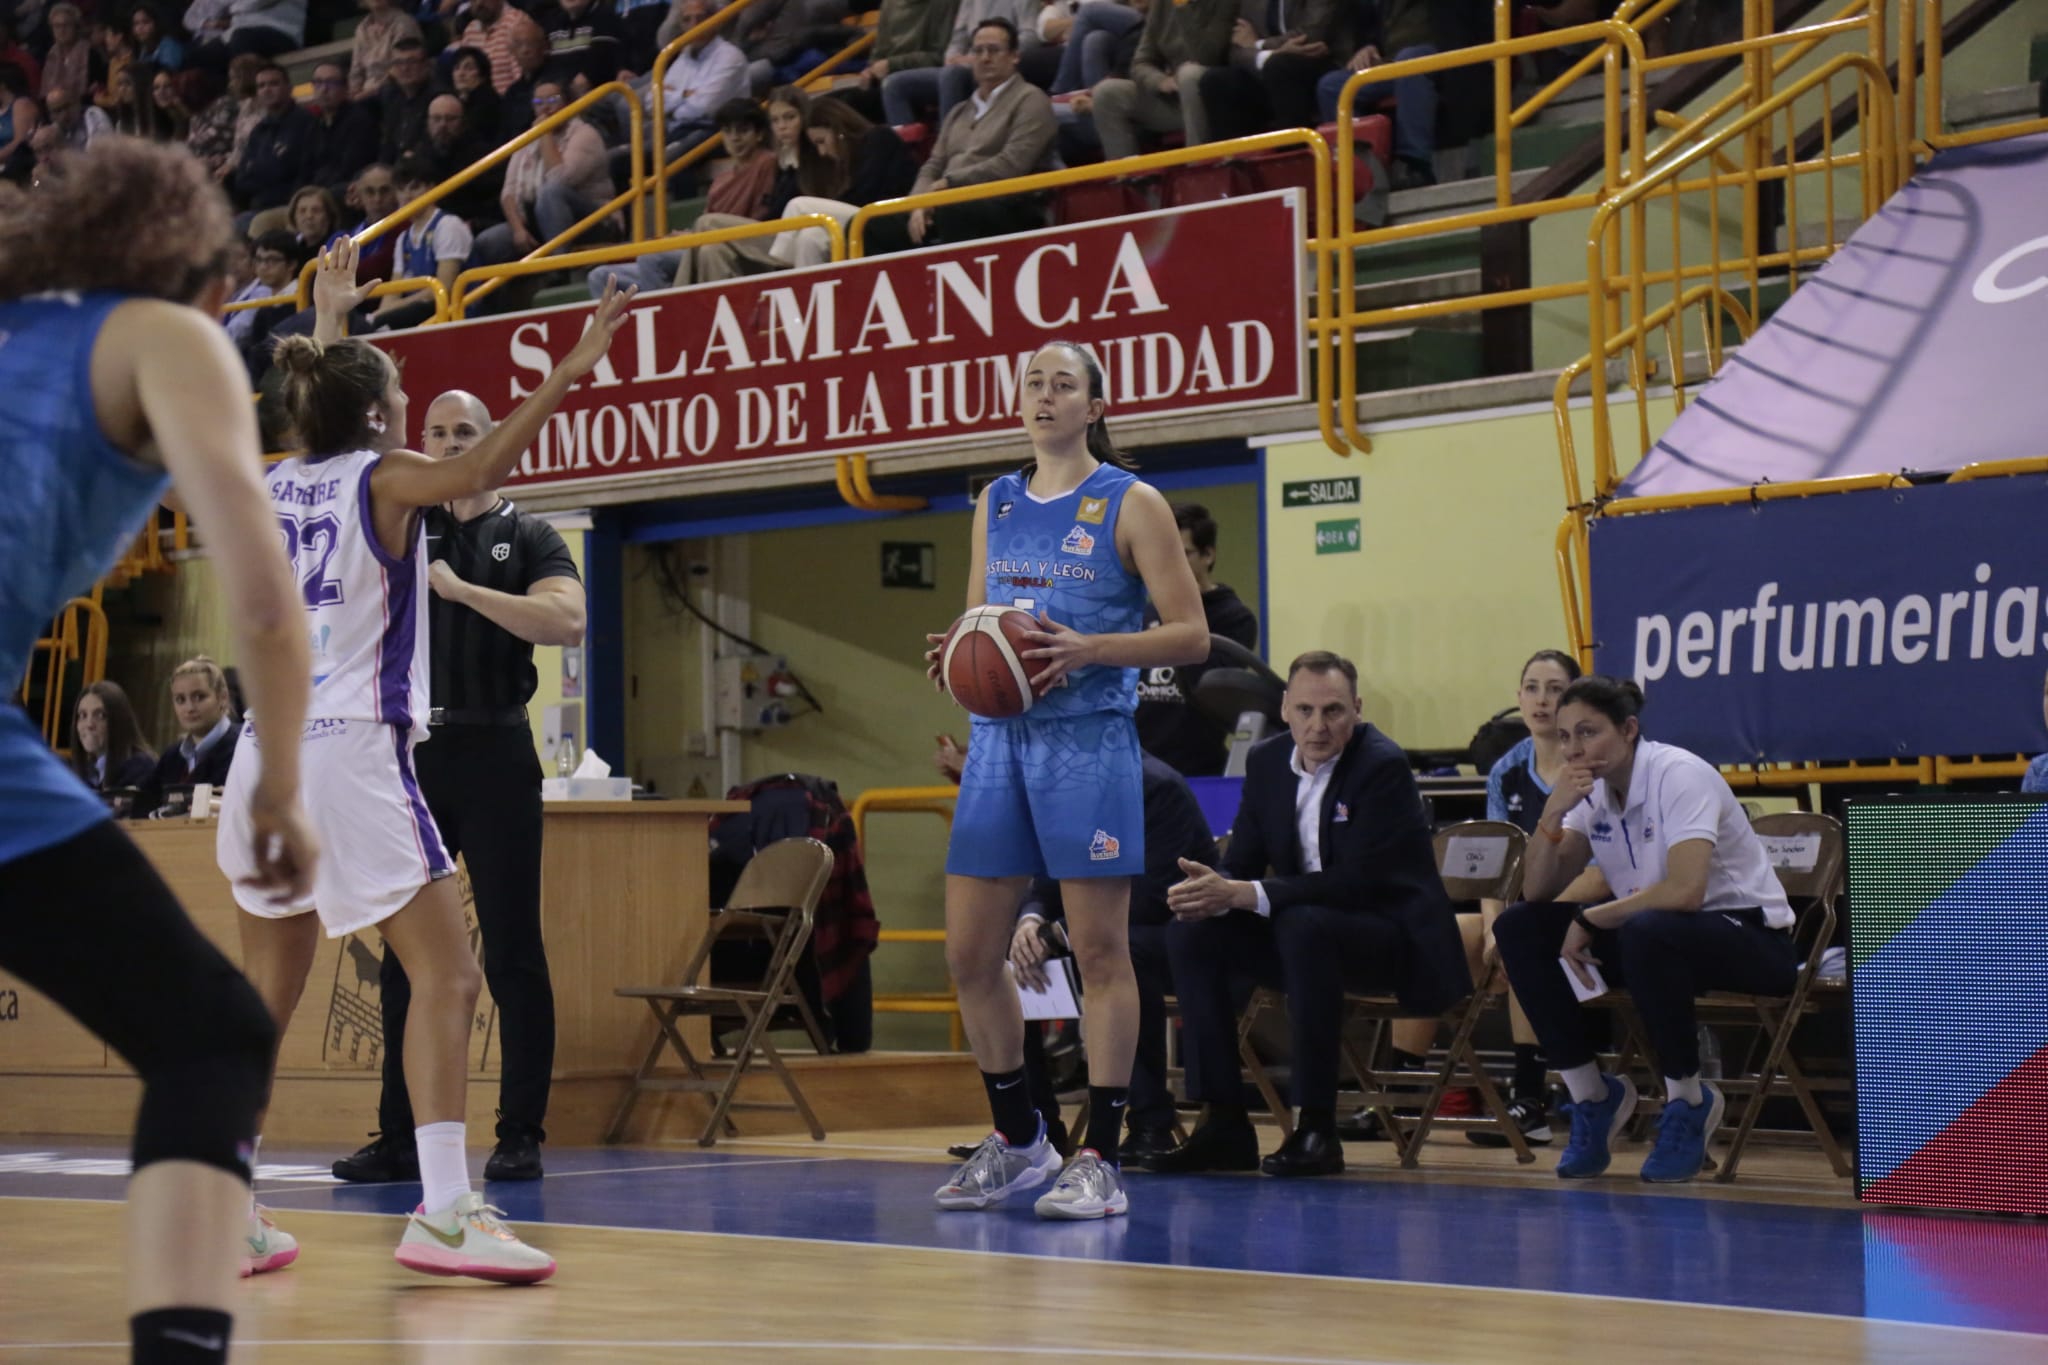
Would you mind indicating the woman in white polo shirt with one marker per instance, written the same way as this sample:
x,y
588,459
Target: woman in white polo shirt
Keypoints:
x,y
1696,908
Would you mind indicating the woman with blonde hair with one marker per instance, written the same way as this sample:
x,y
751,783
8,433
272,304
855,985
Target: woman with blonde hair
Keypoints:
x,y
205,747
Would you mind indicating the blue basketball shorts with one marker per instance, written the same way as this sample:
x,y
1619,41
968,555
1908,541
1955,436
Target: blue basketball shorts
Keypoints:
x,y
1060,797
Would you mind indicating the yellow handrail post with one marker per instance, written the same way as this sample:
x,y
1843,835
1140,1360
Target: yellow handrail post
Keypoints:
x,y
657,167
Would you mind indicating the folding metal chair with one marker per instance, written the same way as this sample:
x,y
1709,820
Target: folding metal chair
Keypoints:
x,y
1807,852
776,898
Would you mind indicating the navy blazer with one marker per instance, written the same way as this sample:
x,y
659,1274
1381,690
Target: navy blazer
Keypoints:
x,y
1378,857
172,771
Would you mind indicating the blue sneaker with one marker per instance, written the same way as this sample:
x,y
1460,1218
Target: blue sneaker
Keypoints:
x,y
1683,1131
1594,1125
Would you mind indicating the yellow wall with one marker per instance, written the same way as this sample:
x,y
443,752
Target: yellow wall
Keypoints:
x,y
816,597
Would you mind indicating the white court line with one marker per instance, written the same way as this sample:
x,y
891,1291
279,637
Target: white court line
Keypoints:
x,y
1517,1290
974,1348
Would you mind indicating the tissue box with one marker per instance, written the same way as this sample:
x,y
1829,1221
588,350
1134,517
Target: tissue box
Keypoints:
x,y
586,789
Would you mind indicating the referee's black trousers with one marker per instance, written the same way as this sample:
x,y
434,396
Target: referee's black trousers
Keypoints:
x,y
1665,959
482,785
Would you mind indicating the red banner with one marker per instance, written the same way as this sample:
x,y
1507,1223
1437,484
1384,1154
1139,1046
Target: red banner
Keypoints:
x,y
1194,310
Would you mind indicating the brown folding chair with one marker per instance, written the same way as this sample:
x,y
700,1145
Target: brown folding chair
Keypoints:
x,y
1807,852
776,899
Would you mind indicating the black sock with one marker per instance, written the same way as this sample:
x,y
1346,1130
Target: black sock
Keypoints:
x,y
1528,1081
1009,1100
1409,1061
1106,1105
180,1336
1315,1118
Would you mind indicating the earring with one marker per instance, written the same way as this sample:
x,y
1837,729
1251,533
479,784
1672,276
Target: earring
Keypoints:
x,y
376,422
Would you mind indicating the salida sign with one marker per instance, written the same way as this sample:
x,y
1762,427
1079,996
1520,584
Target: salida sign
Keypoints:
x,y
1197,310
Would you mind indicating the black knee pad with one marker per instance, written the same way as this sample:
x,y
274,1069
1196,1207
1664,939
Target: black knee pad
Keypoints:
x,y
204,1087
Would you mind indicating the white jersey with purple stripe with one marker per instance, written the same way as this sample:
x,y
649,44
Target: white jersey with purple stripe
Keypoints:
x,y
366,610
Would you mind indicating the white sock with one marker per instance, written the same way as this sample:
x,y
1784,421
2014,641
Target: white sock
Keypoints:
x,y
444,1164
255,1150
1687,1089
1585,1082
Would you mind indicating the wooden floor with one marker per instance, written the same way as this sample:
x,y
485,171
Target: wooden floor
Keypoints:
x,y
1163,1284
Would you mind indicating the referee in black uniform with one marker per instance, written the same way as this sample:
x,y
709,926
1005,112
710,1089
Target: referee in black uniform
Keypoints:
x,y
502,583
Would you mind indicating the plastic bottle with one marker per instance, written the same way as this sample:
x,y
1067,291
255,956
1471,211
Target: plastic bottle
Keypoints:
x,y
565,757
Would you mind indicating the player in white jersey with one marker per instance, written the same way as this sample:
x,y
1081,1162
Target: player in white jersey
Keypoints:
x,y
348,510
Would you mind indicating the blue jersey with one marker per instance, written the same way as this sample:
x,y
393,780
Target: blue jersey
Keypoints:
x,y
1058,556
73,502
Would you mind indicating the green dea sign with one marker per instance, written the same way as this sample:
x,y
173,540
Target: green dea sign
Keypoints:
x,y
1337,537
1318,492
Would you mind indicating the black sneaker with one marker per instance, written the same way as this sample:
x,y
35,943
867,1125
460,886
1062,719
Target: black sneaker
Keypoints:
x,y
514,1158
1531,1116
383,1161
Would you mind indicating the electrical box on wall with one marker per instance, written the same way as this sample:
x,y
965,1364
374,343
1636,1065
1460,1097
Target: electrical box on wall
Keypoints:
x,y
753,691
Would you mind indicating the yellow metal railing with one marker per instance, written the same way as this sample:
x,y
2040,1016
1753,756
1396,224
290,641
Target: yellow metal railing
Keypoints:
x,y
912,801
78,634
1932,135
657,167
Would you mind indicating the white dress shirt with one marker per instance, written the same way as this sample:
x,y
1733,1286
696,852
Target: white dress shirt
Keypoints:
x,y
1308,817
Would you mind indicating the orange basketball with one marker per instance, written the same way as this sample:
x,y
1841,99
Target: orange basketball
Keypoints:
x,y
982,662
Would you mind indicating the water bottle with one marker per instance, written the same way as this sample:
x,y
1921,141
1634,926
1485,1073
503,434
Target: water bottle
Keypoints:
x,y
1710,1054
565,756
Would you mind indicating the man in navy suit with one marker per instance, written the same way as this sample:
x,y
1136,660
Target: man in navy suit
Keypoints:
x,y
1330,884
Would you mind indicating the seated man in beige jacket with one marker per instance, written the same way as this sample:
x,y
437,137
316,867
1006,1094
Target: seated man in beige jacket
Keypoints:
x,y
1004,130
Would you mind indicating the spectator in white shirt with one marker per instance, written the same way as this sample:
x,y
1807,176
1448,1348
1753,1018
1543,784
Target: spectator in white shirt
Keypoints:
x,y
1696,908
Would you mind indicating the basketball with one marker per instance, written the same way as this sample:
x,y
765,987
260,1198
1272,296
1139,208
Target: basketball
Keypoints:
x,y
983,664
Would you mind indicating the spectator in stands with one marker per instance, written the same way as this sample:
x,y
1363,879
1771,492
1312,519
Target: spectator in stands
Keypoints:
x,y
1096,41
206,743
16,54
434,245
154,46
2035,779
788,110
115,51
126,114
1274,65
451,147
469,80
702,77
910,35
1409,29
404,99
552,184
1163,92
1353,902
784,39
1697,908
348,131
20,116
280,153
173,119
586,43
69,63
515,106
72,125
858,163
107,752
225,29
245,285
1005,129
640,21
372,197
378,34
315,219
491,26
739,195
1170,726
908,96
277,257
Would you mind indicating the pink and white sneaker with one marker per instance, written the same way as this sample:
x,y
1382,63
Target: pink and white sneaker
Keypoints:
x,y
269,1247
470,1238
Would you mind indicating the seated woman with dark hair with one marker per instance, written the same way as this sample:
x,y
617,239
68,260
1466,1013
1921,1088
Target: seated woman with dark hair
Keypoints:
x,y
1696,908
107,751
469,80
858,163
206,745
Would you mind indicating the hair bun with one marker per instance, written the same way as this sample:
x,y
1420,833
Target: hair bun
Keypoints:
x,y
298,354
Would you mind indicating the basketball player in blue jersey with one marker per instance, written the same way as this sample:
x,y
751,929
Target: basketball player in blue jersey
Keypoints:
x,y
118,380
1058,791
348,511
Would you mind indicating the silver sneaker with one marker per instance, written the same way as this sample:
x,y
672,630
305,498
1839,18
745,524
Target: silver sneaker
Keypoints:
x,y
1088,1188
996,1171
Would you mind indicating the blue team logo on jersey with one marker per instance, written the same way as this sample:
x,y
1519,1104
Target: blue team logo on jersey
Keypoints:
x,y
1103,848
1602,830
1649,831
1078,542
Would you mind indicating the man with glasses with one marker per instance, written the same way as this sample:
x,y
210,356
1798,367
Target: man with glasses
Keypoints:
x,y
347,130
551,184
1003,130
72,125
403,100
452,147
278,156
